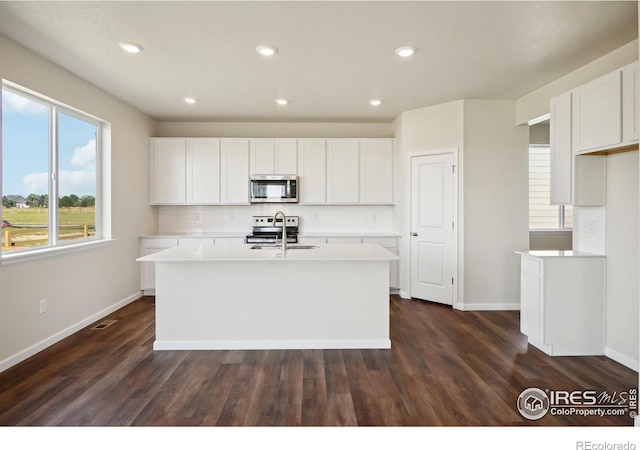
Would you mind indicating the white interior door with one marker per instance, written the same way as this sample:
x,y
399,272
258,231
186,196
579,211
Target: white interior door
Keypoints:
x,y
433,228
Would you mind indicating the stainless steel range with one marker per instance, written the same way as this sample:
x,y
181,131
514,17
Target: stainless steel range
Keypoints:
x,y
266,232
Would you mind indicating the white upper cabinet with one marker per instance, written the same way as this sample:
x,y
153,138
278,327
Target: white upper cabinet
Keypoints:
x,y
216,171
262,156
630,103
185,171
597,114
203,171
234,171
273,156
343,171
376,171
561,154
312,165
168,171
286,156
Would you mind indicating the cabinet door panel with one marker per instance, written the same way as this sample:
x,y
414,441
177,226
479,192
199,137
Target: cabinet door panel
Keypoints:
x,y
311,170
530,303
286,153
234,169
561,154
203,171
376,171
630,103
168,175
597,113
343,171
262,156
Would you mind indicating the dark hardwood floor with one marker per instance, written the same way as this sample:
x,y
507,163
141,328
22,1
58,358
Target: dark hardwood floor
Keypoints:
x,y
445,367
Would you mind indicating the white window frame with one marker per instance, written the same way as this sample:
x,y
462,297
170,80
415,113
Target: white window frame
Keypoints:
x,y
103,227
561,210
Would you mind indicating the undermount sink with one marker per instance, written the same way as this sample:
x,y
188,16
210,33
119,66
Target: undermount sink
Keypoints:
x,y
289,247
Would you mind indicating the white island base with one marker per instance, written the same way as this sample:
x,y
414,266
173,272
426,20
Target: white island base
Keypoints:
x,y
210,298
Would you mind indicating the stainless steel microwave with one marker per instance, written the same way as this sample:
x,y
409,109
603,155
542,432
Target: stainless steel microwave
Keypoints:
x,y
273,189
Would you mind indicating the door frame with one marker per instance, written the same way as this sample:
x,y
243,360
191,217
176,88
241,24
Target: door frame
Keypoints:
x,y
458,286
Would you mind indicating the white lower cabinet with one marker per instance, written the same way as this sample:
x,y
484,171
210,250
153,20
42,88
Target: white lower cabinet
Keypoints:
x,y
562,303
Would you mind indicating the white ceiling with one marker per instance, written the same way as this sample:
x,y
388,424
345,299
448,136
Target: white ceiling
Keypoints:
x,y
333,56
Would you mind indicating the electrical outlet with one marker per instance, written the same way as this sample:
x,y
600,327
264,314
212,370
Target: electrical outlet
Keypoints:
x,y
43,306
589,226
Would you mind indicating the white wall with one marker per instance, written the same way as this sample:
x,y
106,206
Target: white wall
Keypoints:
x,y
84,285
275,129
622,242
432,128
493,194
496,216
536,103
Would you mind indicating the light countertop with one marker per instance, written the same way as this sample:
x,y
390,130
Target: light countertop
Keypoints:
x,y
559,254
243,252
199,234
302,234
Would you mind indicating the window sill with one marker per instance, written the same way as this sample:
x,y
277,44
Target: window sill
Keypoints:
x,y
32,255
569,231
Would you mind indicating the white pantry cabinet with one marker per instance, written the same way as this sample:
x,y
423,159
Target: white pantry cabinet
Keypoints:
x,y
274,156
234,171
185,171
312,164
562,302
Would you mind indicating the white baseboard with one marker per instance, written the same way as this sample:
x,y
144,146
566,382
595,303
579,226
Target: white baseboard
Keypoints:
x,y
273,345
404,294
487,306
622,359
47,342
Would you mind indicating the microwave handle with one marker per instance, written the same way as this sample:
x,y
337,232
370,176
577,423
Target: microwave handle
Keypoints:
x,y
288,191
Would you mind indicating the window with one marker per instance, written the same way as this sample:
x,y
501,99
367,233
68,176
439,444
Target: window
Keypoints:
x,y
49,151
543,215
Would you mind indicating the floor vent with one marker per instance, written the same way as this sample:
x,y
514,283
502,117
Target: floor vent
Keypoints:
x,y
103,325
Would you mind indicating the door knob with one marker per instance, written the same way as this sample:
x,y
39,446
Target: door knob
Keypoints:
x,y
414,234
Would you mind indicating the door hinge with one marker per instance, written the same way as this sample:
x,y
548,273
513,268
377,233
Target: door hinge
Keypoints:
x,y
453,169
453,225
452,280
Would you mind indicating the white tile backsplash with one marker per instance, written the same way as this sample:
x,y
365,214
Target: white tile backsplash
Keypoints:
x,y
590,229
322,218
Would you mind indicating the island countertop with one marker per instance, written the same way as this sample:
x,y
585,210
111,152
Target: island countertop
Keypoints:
x,y
244,252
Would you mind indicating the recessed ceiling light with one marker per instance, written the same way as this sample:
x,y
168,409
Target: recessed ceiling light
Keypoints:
x,y
190,100
282,101
266,50
405,52
130,47
375,102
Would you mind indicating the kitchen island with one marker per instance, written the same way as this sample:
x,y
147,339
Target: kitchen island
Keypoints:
x,y
225,297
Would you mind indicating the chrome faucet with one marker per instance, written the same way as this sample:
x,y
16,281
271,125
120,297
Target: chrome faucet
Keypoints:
x,y
284,231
